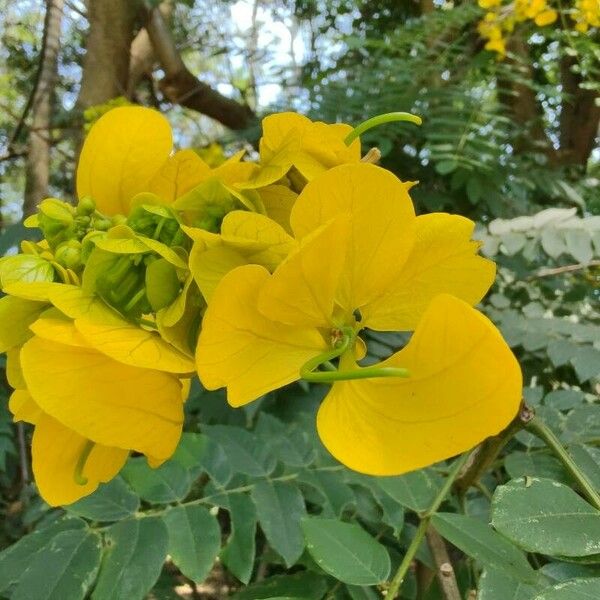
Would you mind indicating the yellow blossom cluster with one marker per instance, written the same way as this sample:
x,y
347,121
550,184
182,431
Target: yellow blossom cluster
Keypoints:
x,y
502,17
586,14
252,274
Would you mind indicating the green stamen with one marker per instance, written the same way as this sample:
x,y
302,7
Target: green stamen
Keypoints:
x,y
380,120
83,457
309,372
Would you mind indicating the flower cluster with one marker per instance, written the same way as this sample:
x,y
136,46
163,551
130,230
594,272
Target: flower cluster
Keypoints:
x,y
586,14
501,18
254,274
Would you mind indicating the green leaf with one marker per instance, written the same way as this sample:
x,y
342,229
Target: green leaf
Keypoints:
x,y
414,490
482,543
169,483
588,460
346,551
190,452
65,568
495,585
336,494
16,558
577,589
239,553
136,551
544,516
280,508
112,501
244,452
521,464
194,540
586,362
300,585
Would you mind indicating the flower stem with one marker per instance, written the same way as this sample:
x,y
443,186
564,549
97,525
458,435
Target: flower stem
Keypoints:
x,y
380,120
541,430
398,579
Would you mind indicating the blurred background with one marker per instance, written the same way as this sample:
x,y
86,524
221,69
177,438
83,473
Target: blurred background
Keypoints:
x,y
507,130
509,95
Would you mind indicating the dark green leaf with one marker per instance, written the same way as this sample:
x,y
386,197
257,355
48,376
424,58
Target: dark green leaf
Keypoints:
x,y
15,559
495,585
482,543
280,508
238,555
112,501
169,483
578,589
65,568
194,540
414,490
544,516
136,551
346,551
300,585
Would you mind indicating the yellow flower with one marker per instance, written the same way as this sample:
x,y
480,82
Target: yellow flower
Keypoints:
x,y
546,17
95,387
487,4
123,151
365,260
292,140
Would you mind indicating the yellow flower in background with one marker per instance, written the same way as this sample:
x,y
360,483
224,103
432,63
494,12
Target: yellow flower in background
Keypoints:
x,y
385,269
94,386
293,140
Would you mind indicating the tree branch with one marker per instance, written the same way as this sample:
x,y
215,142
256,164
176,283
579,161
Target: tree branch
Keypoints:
x,y
445,570
180,86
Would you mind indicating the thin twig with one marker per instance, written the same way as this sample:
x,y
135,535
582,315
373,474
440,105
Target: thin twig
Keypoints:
x,y
415,544
445,570
565,269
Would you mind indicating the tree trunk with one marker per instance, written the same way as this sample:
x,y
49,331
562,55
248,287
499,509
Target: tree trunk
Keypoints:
x,y
579,117
106,62
38,157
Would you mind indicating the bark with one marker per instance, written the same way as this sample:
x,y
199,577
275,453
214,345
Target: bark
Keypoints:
x,y
579,118
37,169
106,62
519,98
180,86
143,59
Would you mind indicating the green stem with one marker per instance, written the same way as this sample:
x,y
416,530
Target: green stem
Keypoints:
x,y
541,430
398,579
359,373
380,120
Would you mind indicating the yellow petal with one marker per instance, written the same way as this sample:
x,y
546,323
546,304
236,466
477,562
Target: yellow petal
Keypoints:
x,y
243,350
278,201
54,326
382,217
56,451
23,407
245,238
16,315
132,345
122,152
444,260
14,373
178,175
36,290
210,265
464,386
303,288
104,400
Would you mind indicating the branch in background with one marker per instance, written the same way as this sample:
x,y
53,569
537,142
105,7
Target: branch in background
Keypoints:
x,y
180,86
37,172
143,59
565,269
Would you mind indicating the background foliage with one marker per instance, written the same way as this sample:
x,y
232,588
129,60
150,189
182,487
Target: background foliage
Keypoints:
x,y
252,506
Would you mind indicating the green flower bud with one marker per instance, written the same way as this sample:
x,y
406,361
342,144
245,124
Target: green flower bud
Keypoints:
x,y
86,206
68,254
162,284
